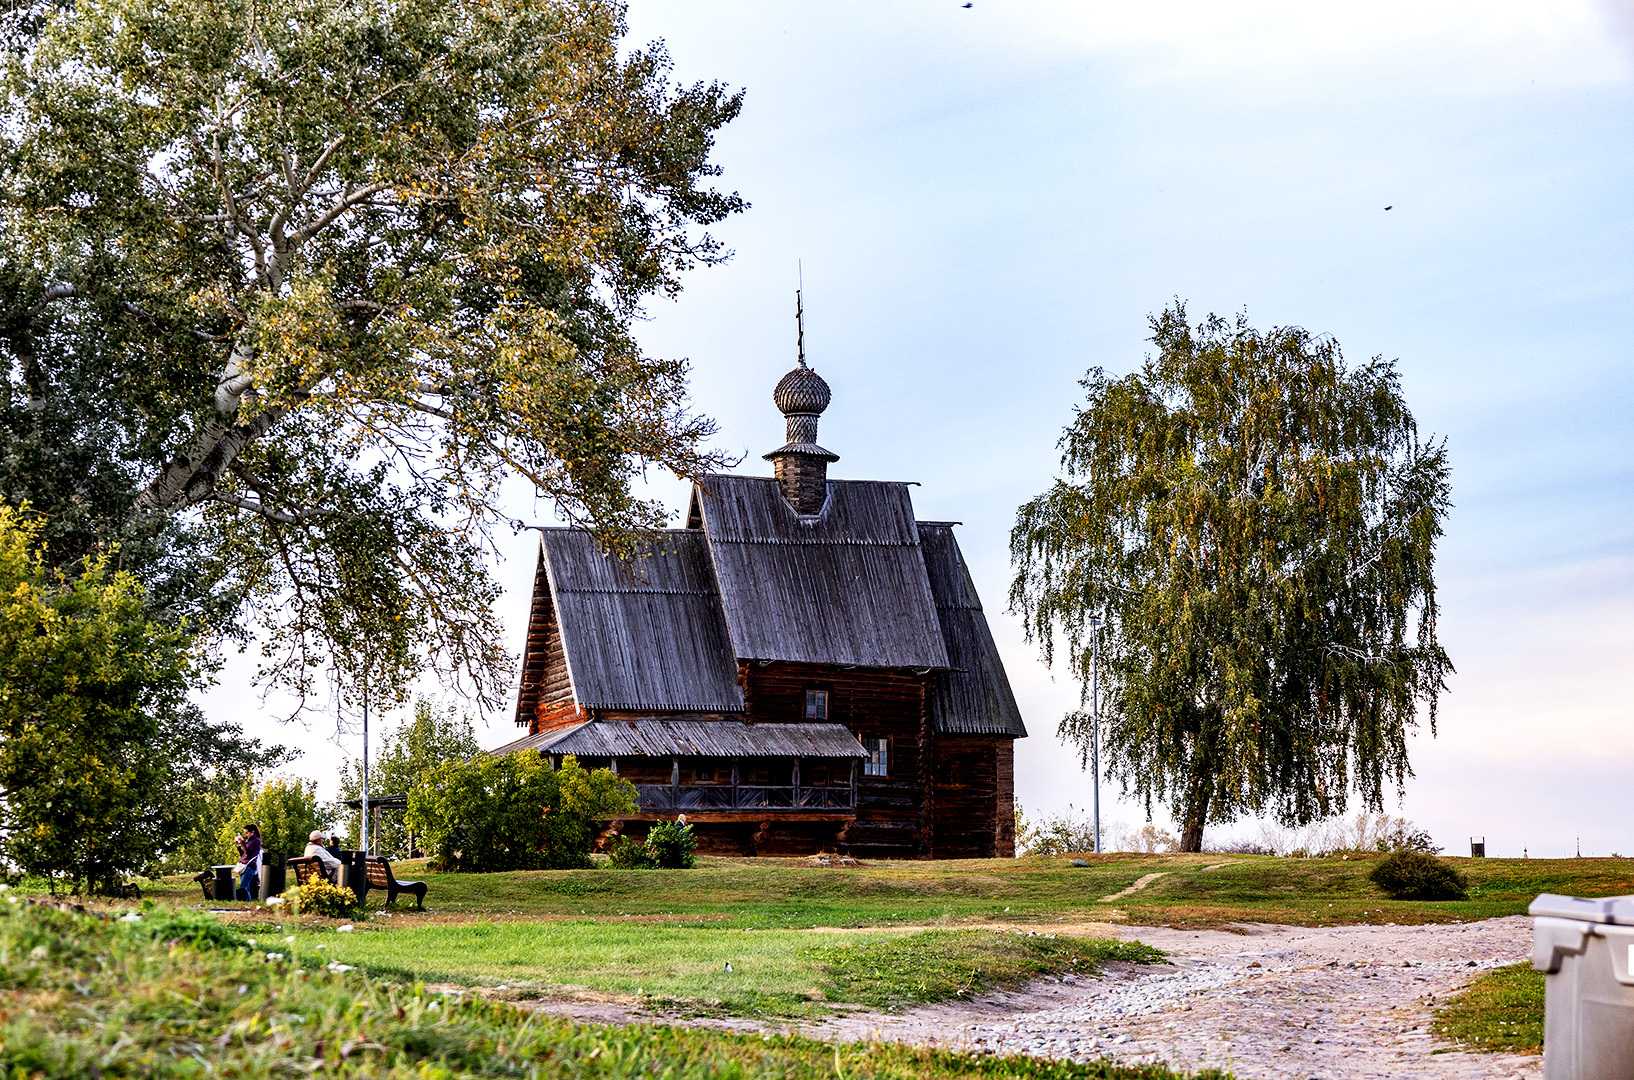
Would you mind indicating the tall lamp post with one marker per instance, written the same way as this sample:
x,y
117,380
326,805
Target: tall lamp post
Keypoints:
x,y
1095,714
364,830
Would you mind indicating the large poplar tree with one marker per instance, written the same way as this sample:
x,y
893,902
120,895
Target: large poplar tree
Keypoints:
x,y
291,289
1255,520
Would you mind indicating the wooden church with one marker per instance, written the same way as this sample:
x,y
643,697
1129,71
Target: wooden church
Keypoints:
x,y
804,667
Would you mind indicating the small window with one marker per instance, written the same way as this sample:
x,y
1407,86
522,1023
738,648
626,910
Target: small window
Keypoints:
x,y
816,704
704,774
878,763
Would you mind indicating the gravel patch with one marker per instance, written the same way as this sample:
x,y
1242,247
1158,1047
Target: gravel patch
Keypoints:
x,y
1276,1003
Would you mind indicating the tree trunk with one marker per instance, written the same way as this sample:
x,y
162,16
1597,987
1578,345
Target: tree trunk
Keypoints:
x,y
1196,811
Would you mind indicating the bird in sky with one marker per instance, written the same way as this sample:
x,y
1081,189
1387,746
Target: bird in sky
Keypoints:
x,y
967,5
1391,205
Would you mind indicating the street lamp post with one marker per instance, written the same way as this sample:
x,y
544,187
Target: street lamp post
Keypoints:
x,y
364,830
1095,714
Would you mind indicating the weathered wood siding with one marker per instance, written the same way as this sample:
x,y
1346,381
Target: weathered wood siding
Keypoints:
x,y
546,686
974,795
892,811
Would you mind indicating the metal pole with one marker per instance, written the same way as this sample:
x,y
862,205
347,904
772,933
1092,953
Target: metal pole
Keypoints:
x,y
1095,709
365,810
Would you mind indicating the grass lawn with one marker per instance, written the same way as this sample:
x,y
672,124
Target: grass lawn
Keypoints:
x,y
1502,1010
80,998
781,972
1196,890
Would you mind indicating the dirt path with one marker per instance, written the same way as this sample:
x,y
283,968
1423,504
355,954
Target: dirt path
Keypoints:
x,y
1276,1003
1140,883
1280,1003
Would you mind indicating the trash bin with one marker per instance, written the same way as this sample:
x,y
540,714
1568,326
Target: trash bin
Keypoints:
x,y
222,887
1586,947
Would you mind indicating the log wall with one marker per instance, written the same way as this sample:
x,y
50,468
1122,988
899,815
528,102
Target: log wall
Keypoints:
x,y
893,813
974,797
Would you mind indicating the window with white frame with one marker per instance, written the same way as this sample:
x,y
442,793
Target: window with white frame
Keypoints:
x,y
816,704
878,761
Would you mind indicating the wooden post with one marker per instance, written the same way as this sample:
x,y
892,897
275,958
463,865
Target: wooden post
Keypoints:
x,y
853,783
735,783
796,782
675,781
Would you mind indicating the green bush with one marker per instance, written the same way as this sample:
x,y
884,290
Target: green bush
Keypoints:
x,y
1417,875
321,897
284,809
672,844
632,854
514,812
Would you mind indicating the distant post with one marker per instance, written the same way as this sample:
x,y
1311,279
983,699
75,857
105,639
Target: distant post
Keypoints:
x,y
1095,711
1477,847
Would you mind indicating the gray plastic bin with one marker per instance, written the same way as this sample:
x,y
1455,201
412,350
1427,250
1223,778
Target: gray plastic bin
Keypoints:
x,y
1587,949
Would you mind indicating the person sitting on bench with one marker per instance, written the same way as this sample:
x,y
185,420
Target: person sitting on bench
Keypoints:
x,y
316,850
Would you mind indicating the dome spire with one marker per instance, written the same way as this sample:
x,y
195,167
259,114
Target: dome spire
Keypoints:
x,y
801,396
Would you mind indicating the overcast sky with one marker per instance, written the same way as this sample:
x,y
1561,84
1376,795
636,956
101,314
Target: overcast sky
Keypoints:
x,y
989,200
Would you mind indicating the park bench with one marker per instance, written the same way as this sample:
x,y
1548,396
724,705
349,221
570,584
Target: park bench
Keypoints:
x,y
381,877
307,868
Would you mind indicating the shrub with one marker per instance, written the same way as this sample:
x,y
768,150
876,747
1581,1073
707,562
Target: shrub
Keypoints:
x,y
672,844
631,854
1417,875
514,812
284,809
322,897
187,927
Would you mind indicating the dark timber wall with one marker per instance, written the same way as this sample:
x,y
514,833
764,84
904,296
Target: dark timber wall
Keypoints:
x,y
974,796
893,812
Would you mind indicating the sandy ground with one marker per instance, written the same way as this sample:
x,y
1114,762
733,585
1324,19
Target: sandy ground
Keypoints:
x,y
1276,1003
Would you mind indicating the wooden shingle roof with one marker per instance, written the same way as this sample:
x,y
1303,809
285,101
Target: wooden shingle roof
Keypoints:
x,y
975,698
647,635
846,586
693,738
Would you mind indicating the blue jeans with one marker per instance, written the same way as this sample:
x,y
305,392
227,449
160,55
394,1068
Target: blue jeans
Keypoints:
x,y
248,885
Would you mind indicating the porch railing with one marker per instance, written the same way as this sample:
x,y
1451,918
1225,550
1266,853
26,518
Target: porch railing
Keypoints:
x,y
661,797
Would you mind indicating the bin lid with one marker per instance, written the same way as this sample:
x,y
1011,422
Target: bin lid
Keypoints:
x,y
1608,909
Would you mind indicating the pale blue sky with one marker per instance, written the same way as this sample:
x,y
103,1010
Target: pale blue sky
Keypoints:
x,y
988,201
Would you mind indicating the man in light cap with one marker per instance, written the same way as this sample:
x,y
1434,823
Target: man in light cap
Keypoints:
x,y
315,849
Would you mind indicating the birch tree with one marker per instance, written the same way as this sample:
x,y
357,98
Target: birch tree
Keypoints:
x,y
293,288
1255,521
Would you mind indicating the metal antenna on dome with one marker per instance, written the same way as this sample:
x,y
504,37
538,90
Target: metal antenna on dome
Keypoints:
x,y
800,315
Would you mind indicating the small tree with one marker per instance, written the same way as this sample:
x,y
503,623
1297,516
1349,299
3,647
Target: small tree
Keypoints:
x,y
284,809
89,686
513,812
427,739
1255,521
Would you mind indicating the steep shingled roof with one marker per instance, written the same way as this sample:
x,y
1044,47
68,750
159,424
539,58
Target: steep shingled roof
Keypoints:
x,y
975,699
650,635
846,586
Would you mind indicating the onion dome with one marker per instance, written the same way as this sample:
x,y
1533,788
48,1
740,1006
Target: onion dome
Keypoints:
x,y
802,390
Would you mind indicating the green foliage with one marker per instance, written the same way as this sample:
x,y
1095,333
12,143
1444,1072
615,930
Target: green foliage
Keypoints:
x,y
672,845
185,926
323,278
934,965
514,812
285,809
140,1008
1255,521
632,854
1501,1012
321,897
90,684
1418,875
427,739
